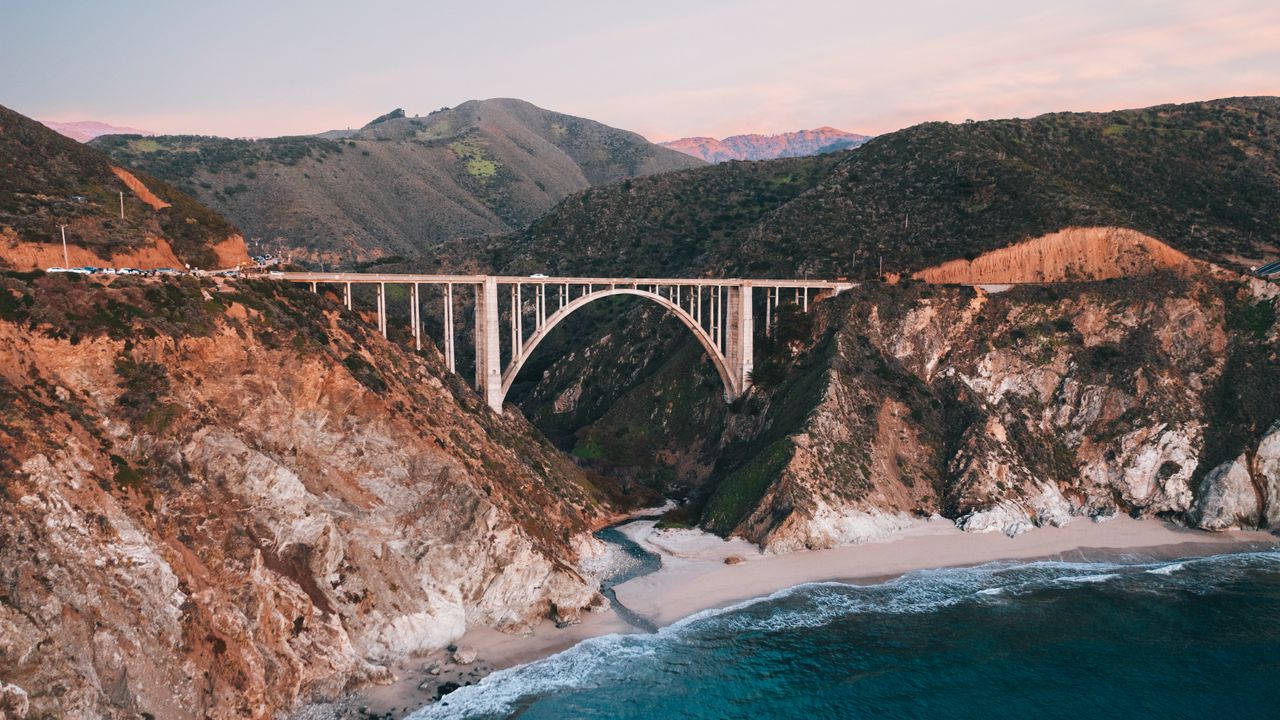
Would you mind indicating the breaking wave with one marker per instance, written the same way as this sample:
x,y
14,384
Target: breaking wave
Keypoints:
x,y
622,660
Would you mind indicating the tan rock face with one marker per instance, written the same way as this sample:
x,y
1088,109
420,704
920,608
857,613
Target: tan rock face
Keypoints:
x,y
222,513
1266,472
1227,498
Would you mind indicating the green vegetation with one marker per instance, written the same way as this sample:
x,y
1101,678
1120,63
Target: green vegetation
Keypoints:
x,y
365,373
739,493
472,155
144,383
1204,177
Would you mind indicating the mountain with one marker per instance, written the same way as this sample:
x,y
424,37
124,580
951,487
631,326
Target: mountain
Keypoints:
x,y
1137,382
401,184
86,130
768,147
48,180
1202,177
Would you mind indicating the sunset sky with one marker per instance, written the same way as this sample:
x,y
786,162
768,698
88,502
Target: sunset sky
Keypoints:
x,y
663,68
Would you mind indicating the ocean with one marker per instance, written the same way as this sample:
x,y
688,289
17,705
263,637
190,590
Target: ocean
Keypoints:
x,y
1196,638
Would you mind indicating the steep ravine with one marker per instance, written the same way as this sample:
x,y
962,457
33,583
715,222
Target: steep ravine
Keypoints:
x,y
220,501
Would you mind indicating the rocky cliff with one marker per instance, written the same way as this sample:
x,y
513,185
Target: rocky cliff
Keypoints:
x,y
221,500
1151,397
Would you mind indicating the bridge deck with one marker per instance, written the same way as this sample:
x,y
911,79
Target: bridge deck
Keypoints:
x,y
351,277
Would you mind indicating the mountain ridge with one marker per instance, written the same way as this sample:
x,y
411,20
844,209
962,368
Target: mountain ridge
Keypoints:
x,y
401,184
756,146
86,130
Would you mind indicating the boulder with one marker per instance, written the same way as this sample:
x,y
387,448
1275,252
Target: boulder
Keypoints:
x,y
14,702
1266,470
1227,498
464,655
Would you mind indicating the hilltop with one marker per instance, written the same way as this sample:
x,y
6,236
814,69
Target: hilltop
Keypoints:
x,y
47,180
401,184
768,147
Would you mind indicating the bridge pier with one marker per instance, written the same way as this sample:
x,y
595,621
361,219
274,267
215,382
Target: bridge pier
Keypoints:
x,y
448,328
488,350
413,318
740,350
382,309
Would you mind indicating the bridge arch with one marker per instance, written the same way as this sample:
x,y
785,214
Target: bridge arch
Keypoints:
x,y
521,355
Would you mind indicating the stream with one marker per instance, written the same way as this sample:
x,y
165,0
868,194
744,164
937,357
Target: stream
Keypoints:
x,y
640,562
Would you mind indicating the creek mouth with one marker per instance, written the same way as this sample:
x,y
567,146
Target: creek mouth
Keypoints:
x,y
640,562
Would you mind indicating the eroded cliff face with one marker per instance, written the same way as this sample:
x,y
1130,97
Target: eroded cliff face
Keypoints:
x,y
1033,407
221,501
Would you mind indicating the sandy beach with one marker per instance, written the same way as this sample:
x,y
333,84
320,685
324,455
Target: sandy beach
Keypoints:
x,y
695,577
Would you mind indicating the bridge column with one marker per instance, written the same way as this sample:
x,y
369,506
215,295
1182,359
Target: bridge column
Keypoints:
x,y
382,309
739,350
346,295
448,327
488,351
413,318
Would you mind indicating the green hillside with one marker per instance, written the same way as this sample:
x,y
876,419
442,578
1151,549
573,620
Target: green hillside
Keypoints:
x,y
401,184
1203,177
47,180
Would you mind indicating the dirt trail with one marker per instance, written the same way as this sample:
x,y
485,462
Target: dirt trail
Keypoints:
x,y
143,193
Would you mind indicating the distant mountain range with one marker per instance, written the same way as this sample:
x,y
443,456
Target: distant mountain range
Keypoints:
x,y
401,184
768,147
86,130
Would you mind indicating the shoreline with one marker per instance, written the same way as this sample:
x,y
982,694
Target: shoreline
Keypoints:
x,y
694,577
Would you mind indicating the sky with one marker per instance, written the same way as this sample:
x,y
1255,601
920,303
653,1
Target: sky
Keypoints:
x,y
663,68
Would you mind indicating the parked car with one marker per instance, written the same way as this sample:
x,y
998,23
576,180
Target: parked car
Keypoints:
x,y
167,271
57,270
538,276
128,271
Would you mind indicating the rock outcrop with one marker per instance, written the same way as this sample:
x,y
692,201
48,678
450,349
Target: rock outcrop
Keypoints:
x,y
1010,411
221,501
1227,498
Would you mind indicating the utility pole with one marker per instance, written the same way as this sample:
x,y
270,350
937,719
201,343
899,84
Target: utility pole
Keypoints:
x,y
66,261
881,267
122,205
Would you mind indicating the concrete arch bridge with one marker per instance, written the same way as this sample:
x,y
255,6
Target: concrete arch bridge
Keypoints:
x,y
719,313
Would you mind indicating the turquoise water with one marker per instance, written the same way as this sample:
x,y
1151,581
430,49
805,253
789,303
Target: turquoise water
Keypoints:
x,y
1191,639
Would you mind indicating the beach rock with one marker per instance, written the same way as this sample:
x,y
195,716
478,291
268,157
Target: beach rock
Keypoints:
x,y
14,703
1227,498
1266,472
1005,517
733,560
464,655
